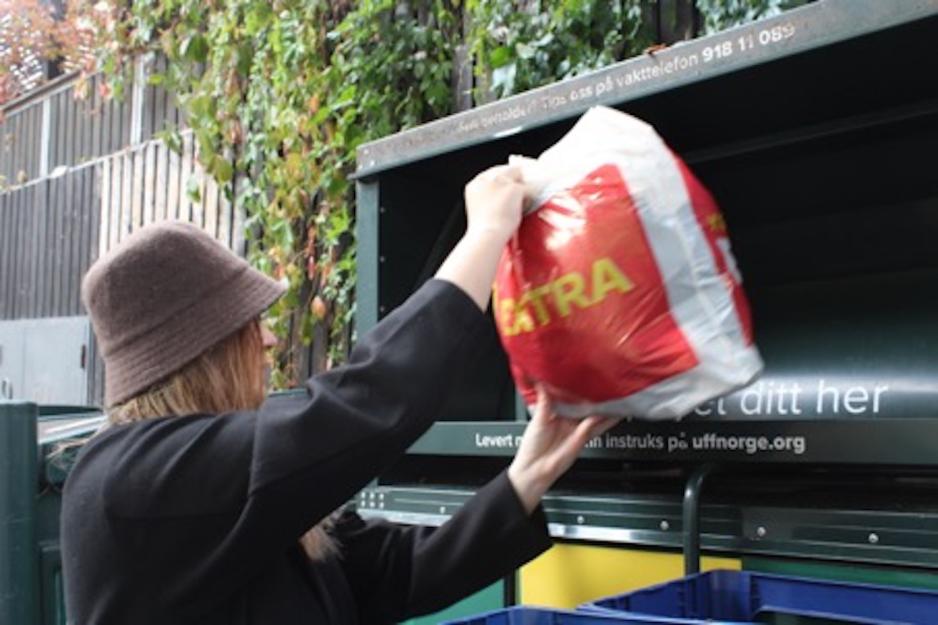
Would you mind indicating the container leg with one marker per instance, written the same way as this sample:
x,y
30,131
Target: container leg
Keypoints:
x,y
691,517
19,572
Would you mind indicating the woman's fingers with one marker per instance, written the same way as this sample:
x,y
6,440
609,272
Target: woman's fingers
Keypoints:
x,y
585,431
543,409
504,173
604,424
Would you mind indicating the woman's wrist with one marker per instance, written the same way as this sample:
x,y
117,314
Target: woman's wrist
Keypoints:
x,y
492,233
472,263
529,486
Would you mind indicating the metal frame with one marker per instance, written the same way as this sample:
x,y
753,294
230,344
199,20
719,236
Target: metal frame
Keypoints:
x,y
905,538
691,517
812,26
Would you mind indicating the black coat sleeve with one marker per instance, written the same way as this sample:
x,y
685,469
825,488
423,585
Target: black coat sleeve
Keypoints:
x,y
359,418
248,485
398,572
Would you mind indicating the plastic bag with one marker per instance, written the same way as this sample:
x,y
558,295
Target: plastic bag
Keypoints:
x,y
619,294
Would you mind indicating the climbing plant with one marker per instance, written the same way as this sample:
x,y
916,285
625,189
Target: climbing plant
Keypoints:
x,y
721,14
279,94
544,42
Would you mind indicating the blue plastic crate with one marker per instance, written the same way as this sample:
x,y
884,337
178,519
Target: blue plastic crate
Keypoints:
x,y
743,597
546,616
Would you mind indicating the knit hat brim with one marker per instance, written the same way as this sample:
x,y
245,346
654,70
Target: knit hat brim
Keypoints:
x,y
158,354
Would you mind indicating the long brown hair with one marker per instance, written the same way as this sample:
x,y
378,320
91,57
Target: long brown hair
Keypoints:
x,y
226,378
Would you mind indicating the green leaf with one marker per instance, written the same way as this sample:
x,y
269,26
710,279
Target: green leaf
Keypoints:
x,y
257,18
245,59
525,51
171,138
192,189
500,56
202,106
224,171
195,48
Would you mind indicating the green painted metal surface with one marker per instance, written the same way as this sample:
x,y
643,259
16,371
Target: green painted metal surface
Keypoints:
x,y
900,442
483,601
858,573
33,467
49,411
59,442
19,566
815,521
367,213
818,145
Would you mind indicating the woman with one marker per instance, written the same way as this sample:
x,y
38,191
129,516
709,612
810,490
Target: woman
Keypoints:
x,y
201,503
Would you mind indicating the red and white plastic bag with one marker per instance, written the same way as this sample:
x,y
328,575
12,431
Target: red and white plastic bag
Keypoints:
x,y
619,293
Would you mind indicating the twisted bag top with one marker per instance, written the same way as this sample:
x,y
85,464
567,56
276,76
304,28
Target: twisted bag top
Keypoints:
x,y
619,293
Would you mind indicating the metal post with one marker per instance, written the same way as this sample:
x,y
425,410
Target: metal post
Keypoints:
x,y
19,566
137,94
691,518
367,228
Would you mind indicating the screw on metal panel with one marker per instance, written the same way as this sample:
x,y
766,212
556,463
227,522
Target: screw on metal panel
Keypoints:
x,y
873,538
381,259
380,495
580,520
382,308
761,532
665,526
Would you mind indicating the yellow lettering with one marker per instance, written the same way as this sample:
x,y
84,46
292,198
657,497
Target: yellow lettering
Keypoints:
x,y
607,277
506,309
569,288
531,309
523,320
540,308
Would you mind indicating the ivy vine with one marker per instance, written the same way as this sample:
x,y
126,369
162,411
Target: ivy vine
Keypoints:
x,y
280,94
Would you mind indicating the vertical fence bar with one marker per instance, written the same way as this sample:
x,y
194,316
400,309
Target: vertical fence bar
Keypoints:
x,y
19,567
46,140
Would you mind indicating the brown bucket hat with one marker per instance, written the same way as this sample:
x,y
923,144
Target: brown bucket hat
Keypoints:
x,y
164,296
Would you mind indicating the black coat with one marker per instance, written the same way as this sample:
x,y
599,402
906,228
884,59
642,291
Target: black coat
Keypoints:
x,y
195,520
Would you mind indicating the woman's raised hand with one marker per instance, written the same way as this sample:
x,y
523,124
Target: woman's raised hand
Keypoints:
x,y
548,448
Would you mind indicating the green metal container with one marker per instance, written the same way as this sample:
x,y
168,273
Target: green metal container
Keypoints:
x,y
816,130
36,452
19,558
